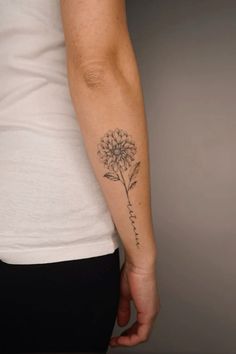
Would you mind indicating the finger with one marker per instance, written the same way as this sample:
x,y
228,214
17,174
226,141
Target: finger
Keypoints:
x,y
124,311
136,334
126,332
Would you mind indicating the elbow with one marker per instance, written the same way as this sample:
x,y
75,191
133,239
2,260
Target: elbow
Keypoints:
x,y
101,72
98,74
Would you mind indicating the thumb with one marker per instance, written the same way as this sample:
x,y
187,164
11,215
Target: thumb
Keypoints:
x,y
123,315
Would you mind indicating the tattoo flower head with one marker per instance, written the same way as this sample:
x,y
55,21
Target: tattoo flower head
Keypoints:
x,y
116,150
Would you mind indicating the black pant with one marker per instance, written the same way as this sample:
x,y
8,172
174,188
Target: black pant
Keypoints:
x,y
67,306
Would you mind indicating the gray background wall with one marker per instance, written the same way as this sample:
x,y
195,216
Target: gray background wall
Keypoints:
x,y
186,51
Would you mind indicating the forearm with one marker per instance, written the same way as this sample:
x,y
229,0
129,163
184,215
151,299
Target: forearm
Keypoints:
x,y
105,102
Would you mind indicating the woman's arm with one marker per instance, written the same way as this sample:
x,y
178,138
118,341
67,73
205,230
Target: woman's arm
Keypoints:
x,y
106,92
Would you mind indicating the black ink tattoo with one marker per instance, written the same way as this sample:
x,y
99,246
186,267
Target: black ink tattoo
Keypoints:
x,y
116,151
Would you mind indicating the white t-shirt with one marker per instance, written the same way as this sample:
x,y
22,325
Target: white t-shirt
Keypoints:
x,y
51,205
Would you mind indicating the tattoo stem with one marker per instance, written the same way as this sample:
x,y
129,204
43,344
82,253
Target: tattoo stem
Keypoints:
x,y
131,212
126,189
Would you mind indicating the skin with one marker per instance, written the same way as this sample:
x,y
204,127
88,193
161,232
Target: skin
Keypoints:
x,y
106,92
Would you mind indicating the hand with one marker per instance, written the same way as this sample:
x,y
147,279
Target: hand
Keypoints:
x,y
138,285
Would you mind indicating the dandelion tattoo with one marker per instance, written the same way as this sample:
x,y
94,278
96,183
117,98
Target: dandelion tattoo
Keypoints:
x,y
116,151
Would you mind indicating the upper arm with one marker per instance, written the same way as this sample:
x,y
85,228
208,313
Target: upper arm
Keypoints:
x,y
94,29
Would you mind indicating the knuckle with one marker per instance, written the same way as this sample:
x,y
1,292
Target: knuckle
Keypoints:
x,y
144,337
153,316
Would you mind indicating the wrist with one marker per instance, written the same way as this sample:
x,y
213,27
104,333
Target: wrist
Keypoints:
x,y
146,263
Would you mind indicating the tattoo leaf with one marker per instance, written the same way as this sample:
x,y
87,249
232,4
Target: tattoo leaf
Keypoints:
x,y
132,185
112,176
134,171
